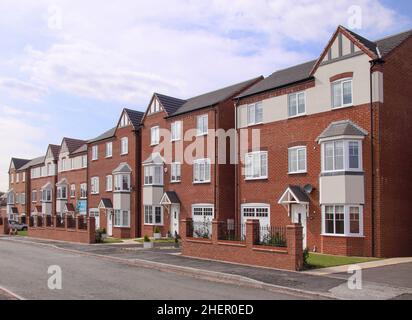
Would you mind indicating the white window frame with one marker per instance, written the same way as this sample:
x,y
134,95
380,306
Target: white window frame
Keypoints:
x,y
12,178
23,174
297,149
72,191
124,146
60,194
252,112
155,106
118,182
255,207
124,121
153,215
150,175
298,114
118,221
202,125
84,161
95,153
202,207
199,178
94,185
346,160
83,189
34,196
109,183
252,155
176,131
17,177
347,232
341,82
49,195
109,149
175,172
154,135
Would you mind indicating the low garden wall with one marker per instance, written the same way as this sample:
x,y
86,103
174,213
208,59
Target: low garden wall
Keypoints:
x,y
245,246
79,229
4,225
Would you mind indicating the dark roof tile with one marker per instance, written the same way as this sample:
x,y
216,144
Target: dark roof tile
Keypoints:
x,y
135,117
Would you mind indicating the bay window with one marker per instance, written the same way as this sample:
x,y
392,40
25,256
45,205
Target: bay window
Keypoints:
x,y
153,215
342,155
256,165
201,171
122,182
46,195
62,192
255,113
342,95
121,218
342,220
153,175
72,191
297,160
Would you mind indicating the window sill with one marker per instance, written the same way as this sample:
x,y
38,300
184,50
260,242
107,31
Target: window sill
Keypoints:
x,y
154,144
177,140
249,125
202,134
108,157
202,182
121,227
298,116
342,235
124,154
256,179
153,185
297,173
154,224
174,182
343,107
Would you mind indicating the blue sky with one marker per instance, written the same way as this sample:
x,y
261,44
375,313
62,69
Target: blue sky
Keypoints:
x,y
68,67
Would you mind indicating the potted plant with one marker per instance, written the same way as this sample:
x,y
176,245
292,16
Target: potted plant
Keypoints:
x,y
147,243
101,235
156,233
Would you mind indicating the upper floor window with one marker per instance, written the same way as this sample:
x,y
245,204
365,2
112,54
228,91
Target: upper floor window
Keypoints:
x,y
256,165
175,174
84,161
23,176
122,182
255,113
297,160
95,152
109,149
83,191
296,104
176,131
155,107
124,148
62,192
72,191
342,95
10,198
124,121
34,196
202,125
46,195
12,178
17,177
342,155
201,171
94,185
153,175
154,136
109,183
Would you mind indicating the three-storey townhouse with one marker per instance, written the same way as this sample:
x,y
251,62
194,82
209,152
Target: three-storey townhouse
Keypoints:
x,y
182,176
333,151
43,179
71,186
114,177
17,193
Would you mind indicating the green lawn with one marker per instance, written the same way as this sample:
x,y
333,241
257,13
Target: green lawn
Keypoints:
x,y
316,260
112,240
171,240
22,233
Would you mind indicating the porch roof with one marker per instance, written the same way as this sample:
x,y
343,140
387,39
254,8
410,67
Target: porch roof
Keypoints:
x,y
170,197
294,194
105,203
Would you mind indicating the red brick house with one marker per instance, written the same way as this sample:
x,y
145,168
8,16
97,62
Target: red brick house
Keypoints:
x,y
113,175
332,149
17,193
175,186
71,185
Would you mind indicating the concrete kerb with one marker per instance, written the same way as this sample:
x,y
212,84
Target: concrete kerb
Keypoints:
x,y
192,272
10,294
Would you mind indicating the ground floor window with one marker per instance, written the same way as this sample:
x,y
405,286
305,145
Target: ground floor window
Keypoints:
x,y
153,215
122,218
255,211
342,220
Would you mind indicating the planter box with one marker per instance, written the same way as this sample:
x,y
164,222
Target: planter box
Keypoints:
x,y
157,236
148,245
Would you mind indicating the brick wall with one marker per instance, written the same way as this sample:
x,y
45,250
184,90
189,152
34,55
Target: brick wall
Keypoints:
x,y
37,184
20,187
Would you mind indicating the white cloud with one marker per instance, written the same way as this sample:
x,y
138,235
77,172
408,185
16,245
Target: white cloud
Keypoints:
x,y
22,89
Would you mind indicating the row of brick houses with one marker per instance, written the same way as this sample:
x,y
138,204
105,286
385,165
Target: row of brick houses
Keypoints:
x,y
322,144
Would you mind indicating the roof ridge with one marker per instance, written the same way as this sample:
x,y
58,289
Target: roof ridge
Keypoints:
x,y
393,35
165,95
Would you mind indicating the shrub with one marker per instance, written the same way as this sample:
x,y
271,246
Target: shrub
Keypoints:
x,y
305,258
146,238
156,230
99,235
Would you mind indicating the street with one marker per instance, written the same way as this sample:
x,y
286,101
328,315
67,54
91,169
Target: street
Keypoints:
x,y
24,272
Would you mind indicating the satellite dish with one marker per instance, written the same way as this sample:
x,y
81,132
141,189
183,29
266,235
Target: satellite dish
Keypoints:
x,y
308,188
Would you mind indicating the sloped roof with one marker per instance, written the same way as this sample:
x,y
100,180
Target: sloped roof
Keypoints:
x,y
82,149
122,168
69,207
170,104
281,78
214,97
74,144
155,158
300,194
34,162
172,196
342,128
19,163
106,135
106,203
55,149
135,117
386,45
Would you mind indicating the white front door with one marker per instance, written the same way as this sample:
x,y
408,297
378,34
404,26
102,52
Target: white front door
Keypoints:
x,y
299,214
174,219
109,223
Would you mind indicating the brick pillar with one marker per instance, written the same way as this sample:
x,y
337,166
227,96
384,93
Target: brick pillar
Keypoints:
x,y
54,221
215,231
65,221
251,235
5,226
91,229
77,222
294,238
184,227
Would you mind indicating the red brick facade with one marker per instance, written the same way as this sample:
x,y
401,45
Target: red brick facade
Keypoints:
x,y
19,188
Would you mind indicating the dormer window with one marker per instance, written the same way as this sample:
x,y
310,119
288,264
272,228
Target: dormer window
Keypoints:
x,y
124,121
155,107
